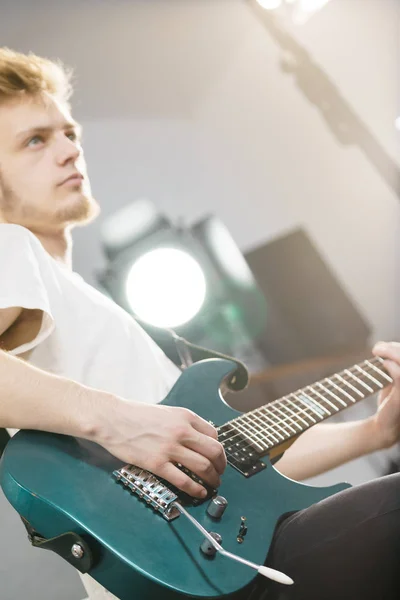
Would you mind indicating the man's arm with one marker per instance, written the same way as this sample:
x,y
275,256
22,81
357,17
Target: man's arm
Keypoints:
x,y
19,326
151,436
327,446
7,317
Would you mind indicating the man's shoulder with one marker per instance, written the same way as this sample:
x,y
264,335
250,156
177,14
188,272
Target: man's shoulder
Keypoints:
x,y
14,233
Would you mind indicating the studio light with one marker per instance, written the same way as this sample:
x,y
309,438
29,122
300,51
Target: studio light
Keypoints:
x,y
166,287
192,279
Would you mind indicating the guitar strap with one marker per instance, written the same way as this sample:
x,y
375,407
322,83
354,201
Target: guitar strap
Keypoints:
x,y
62,545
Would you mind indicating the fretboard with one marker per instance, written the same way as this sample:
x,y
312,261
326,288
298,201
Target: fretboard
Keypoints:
x,y
277,422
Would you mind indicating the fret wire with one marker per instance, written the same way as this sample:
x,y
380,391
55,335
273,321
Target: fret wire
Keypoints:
x,y
280,408
232,436
348,373
235,435
306,405
322,398
340,390
249,435
370,377
273,434
331,393
285,398
307,410
381,373
368,387
316,403
243,421
272,406
298,408
275,402
370,390
269,409
379,359
293,413
298,416
240,434
253,440
273,423
352,387
376,374
271,442
274,439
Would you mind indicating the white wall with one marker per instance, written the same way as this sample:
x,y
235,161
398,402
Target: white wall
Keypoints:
x,y
254,149
187,104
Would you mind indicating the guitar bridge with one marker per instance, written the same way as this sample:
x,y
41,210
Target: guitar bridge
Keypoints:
x,y
150,489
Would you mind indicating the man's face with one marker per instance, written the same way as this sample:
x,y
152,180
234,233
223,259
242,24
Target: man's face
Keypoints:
x,y
39,150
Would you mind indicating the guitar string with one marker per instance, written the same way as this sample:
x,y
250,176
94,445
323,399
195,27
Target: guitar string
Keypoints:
x,y
309,389
368,369
304,391
274,405
264,438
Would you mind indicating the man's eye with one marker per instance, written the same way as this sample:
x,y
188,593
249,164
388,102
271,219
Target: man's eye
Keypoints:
x,y
33,141
72,135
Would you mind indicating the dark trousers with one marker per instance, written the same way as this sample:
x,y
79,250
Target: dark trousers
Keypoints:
x,y
4,438
346,547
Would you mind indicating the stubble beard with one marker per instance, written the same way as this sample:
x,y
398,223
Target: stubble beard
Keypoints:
x,y
79,213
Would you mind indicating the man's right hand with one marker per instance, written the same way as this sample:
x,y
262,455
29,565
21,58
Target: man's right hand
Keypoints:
x,y
154,437
157,437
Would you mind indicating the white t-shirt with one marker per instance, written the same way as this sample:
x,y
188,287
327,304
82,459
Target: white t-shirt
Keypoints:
x,y
84,335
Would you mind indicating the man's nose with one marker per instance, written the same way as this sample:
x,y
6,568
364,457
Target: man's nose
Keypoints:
x,y
68,151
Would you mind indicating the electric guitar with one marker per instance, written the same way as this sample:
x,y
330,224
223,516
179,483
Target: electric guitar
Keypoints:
x,y
142,539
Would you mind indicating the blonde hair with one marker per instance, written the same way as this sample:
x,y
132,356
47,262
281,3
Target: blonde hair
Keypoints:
x,y
31,74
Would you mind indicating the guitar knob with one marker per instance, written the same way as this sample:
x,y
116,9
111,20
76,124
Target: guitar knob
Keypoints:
x,y
217,507
207,548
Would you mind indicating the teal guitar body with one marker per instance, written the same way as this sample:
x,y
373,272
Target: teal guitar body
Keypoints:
x,y
61,484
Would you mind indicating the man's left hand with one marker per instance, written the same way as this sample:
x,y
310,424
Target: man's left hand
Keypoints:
x,y
387,417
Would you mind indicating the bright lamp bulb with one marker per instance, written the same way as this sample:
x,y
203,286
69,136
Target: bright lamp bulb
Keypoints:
x,y
270,4
166,287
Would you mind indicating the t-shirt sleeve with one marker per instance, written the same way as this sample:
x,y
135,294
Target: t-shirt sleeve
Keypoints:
x,y
23,264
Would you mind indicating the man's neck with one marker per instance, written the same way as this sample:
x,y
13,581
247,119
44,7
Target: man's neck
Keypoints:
x,y
58,245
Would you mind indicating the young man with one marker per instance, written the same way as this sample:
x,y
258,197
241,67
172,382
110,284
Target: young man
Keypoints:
x,y
73,362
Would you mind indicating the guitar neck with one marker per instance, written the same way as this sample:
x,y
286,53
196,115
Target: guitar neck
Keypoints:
x,y
279,421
